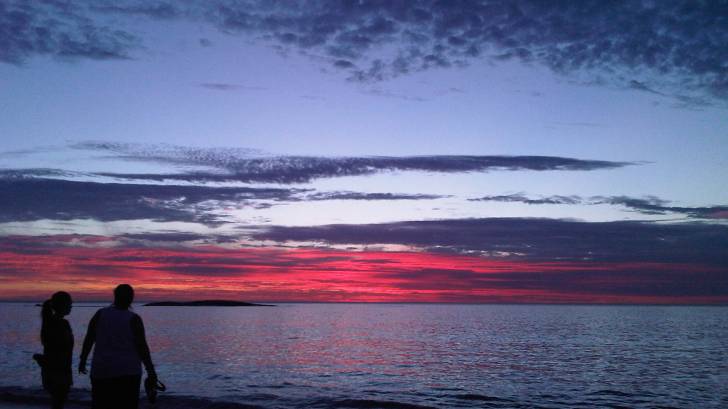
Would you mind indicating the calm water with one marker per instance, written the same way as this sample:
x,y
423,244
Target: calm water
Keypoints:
x,y
409,356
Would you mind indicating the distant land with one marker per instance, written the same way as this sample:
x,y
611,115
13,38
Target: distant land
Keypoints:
x,y
205,303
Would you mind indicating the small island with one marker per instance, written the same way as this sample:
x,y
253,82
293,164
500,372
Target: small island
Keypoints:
x,y
205,303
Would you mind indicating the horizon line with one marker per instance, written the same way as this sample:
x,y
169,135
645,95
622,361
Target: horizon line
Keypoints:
x,y
142,302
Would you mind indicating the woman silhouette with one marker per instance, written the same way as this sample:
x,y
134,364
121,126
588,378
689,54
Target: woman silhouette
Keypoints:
x,y
121,348
57,339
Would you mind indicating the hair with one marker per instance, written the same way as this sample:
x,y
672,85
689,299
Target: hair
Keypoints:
x,y
123,296
59,301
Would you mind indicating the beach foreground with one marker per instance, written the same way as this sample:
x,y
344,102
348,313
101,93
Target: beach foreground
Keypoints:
x,y
36,398
27,406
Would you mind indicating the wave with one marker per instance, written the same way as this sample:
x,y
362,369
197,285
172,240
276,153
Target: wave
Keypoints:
x,y
373,404
79,398
482,398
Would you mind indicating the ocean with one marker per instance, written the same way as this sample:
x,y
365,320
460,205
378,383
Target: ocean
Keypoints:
x,y
408,355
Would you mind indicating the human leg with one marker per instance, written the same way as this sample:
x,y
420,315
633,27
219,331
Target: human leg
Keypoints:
x,y
102,393
129,391
58,384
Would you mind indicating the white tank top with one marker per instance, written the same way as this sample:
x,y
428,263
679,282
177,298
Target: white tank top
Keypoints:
x,y
115,353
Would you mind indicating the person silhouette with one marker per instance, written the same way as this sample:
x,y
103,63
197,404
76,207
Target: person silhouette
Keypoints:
x,y
57,339
120,349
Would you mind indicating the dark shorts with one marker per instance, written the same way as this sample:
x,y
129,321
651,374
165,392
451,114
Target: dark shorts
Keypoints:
x,y
120,392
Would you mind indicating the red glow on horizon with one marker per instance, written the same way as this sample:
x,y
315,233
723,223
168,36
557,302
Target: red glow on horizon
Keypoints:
x,y
316,275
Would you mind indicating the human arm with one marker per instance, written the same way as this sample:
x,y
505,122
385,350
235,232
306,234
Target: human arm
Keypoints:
x,y
140,341
88,343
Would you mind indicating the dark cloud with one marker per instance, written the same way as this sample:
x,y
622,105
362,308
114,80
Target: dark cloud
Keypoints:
x,y
681,100
154,9
653,205
368,196
670,281
27,199
33,173
395,95
154,238
239,266
578,124
165,236
676,44
242,166
640,86
674,48
25,195
532,239
650,205
42,244
513,198
343,64
60,29
219,86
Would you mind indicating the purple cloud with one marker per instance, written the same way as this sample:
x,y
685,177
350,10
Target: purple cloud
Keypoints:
x,y
529,238
249,167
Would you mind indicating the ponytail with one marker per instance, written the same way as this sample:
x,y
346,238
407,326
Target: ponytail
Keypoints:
x,y
46,314
57,306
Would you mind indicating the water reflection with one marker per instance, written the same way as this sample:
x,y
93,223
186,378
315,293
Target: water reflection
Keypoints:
x,y
425,353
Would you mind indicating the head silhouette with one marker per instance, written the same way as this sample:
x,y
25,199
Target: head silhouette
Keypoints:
x,y
123,296
59,304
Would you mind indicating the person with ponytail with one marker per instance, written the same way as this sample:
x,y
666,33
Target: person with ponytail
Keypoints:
x,y
57,339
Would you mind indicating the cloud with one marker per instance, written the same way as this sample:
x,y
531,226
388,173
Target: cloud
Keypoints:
x,y
158,10
345,195
681,100
679,44
673,48
568,278
59,29
518,197
530,239
650,205
395,95
653,205
27,199
218,86
169,236
249,166
578,124
29,173
330,275
25,195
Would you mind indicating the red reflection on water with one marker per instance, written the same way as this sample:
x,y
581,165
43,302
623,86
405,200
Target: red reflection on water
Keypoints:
x,y
36,266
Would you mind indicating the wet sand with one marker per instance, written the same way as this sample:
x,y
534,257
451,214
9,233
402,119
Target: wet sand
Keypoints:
x,y
7,405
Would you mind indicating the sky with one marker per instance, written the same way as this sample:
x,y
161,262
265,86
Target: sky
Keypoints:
x,y
365,151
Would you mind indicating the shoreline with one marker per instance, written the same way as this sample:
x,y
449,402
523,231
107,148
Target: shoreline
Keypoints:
x,y
17,397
